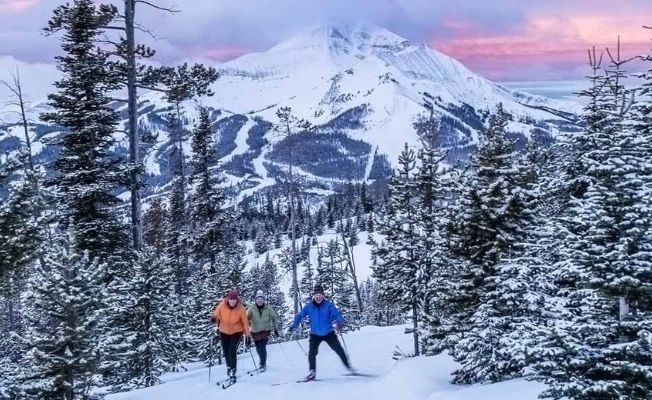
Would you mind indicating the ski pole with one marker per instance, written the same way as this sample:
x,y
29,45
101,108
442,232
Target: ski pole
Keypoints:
x,y
286,354
344,342
252,355
210,360
302,349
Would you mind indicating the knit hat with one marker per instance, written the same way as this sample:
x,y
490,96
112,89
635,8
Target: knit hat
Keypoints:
x,y
318,289
233,294
260,294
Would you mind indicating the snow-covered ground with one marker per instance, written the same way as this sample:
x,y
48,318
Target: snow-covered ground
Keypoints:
x,y
370,349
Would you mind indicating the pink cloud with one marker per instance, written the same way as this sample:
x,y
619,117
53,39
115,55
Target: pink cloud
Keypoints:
x,y
220,53
16,6
544,40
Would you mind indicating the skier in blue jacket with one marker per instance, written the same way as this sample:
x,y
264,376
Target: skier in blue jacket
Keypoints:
x,y
322,313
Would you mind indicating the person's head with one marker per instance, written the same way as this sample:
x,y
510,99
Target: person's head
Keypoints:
x,y
260,298
318,294
232,297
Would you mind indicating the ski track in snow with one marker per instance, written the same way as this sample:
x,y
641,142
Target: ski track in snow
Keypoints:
x,y
371,348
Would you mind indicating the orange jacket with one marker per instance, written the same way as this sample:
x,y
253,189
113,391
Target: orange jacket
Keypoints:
x,y
231,320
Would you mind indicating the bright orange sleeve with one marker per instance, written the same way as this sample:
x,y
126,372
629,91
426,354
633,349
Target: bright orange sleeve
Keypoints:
x,y
245,321
217,314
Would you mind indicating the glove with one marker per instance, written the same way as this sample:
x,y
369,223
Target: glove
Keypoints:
x,y
338,328
248,341
276,333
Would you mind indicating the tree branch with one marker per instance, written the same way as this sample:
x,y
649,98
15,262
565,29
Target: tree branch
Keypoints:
x,y
167,9
115,28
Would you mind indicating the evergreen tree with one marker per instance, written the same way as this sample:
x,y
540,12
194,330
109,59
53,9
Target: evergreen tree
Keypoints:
x,y
488,229
89,173
137,325
64,295
21,226
608,242
261,243
308,276
397,267
210,222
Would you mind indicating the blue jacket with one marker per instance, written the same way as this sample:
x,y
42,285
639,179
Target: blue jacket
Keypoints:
x,y
321,317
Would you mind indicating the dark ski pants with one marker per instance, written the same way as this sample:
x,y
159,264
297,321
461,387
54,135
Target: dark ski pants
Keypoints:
x,y
230,345
333,342
261,349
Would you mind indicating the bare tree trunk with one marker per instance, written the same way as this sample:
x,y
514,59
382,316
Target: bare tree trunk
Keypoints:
x,y
351,264
295,277
134,134
415,326
16,89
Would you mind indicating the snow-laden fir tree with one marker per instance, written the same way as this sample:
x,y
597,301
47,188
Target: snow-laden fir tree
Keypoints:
x,y
88,172
488,227
22,233
22,227
137,342
64,297
308,275
433,258
511,321
607,332
397,267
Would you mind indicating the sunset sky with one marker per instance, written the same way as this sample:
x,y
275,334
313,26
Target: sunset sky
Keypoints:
x,y
505,40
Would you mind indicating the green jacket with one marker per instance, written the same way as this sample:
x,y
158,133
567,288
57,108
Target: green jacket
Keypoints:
x,y
262,320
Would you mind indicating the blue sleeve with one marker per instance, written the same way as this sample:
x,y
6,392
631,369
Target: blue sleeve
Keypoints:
x,y
299,317
335,314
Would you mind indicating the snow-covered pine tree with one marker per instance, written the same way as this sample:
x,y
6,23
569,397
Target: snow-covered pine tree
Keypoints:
x,y
89,173
608,334
512,322
433,254
490,226
139,313
307,282
154,225
397,269
261,243
64,297
22,232
21,225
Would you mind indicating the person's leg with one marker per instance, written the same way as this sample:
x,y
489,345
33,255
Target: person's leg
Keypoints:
x,y
259,349
235,342
315,340
334,344
263,352
226,345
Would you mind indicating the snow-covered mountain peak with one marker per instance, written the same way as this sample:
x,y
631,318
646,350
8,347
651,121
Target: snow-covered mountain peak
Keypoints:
x,y
354,39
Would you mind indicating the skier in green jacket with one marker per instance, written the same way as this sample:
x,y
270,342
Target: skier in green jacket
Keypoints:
x,y
263,320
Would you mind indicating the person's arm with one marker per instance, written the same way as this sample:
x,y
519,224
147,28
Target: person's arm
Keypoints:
x,y
217,315
245,321
336,315
299,317
274,321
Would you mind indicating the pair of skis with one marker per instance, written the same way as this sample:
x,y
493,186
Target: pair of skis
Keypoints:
x,y
306,380
227,383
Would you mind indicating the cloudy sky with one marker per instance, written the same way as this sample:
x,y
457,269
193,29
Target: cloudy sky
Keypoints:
x,y
505,40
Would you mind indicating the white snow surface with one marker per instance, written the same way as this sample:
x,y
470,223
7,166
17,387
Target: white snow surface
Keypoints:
x,y
370,350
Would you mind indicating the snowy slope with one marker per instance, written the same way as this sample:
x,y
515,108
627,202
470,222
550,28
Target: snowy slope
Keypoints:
x,y
370,350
